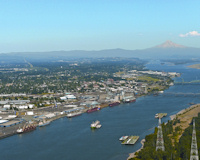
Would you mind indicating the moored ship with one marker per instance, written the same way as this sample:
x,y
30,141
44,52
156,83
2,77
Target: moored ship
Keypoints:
x,y
93,109
130,100
70,115
95,125
114,104
43,123
26,128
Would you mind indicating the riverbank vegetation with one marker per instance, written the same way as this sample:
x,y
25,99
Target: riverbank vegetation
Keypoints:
x,y
177,141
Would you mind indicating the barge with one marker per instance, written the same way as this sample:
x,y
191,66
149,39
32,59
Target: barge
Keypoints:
x,y
114,104
93,109
130,140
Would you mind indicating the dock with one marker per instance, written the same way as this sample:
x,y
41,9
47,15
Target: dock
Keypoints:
x,y
7,135
11,123
160,115
130,140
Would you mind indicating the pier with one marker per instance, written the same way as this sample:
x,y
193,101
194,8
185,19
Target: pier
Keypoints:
x,y
160,115
7,135
8,131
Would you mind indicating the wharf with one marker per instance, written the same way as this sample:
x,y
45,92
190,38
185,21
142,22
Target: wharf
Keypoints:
x,y
12,127
160,115
7,135
57,117
130,140
11,123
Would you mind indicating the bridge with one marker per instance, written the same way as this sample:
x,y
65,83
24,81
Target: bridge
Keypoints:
x,y
180,94
189,82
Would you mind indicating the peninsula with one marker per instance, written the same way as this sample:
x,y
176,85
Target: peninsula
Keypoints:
x,y
196,66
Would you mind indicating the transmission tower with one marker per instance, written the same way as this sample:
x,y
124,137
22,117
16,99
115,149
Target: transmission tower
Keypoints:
x,y
160,141
194,150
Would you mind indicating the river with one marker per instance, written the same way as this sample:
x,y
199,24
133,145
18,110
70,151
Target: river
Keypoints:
x,y
72,139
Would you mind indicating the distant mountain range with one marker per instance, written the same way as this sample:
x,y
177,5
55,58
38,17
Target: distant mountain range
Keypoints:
x,y
167,50
170,44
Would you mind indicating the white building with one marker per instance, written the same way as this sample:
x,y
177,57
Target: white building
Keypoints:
x,y
6,106
30,113
31,106
69,96
22,107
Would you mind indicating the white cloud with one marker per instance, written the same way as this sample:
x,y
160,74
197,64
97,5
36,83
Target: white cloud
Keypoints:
x,y
190,34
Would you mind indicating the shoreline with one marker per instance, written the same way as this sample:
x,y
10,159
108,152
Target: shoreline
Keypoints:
x,y
102,106
132,155
172,117
194,66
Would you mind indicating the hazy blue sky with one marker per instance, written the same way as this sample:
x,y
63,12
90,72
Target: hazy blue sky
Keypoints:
x,y
45,25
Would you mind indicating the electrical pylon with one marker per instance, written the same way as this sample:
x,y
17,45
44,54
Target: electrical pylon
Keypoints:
x,y
194,149
160,141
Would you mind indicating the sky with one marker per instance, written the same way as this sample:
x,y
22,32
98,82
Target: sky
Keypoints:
x,y
51,25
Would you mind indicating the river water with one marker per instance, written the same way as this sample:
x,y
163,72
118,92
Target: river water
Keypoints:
x,y
72,139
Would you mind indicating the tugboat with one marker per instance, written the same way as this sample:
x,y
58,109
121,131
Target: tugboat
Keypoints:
x,y
26,128
95,125
123,138
43,123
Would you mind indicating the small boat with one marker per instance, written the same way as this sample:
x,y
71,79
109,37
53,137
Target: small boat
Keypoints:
x,y
19,130
123,138
156,115
43,123
95,125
